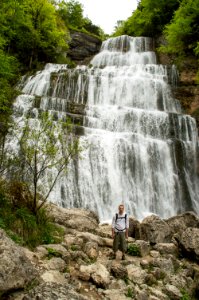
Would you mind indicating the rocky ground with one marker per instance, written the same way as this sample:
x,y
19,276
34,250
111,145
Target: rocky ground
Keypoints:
x,y
166,265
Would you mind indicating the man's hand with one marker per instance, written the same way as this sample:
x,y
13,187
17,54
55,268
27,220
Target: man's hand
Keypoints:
x,y
113,233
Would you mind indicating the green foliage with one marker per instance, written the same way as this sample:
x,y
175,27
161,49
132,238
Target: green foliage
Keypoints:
x,y
126,279
22,225
149,18
182,34
53,253
133,250
185,295
130,293
43,146
71,12
74,247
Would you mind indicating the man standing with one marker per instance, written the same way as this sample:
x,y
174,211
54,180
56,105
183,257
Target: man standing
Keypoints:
x,y
120,225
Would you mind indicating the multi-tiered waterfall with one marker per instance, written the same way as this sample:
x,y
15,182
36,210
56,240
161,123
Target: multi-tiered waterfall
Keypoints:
x,y
139,148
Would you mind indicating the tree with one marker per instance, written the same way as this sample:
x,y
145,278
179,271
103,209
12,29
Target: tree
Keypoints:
x,y
72,13
149,18
44,145
182,34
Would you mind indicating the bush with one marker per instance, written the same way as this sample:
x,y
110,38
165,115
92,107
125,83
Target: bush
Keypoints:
x,y
21,224
133,250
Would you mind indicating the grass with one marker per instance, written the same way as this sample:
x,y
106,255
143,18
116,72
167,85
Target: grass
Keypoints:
x,y
22,225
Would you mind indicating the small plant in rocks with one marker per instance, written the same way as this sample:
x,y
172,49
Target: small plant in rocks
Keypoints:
x,y
133,250
130,293
53,253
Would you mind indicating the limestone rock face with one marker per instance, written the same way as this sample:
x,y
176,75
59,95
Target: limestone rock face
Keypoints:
x,y
167,248
134,228
189,243
16,270
155,230
91,249
79,219
83,46
178,224
53,291
119,271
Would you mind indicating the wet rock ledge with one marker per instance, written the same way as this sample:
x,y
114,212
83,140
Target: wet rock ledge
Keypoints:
x,y
164,264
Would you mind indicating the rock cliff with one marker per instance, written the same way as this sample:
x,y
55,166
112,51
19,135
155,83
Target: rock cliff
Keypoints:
x,y
83,47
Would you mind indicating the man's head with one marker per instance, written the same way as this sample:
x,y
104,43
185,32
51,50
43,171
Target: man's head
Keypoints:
x,y
121,209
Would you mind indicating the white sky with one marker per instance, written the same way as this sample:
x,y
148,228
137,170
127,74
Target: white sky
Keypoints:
x,y
106,13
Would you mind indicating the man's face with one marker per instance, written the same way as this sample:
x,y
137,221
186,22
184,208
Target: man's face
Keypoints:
x,y
121,209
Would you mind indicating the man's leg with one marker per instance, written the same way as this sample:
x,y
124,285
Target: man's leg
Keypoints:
x,y
115,244
123,245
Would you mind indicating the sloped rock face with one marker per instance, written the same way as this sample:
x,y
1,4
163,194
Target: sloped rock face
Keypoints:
x,y
154,230
79,219
53,291
178,224
82,266
83,46
189,243
16,270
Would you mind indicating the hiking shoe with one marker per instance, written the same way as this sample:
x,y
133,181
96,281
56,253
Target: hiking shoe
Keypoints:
x,y
123,257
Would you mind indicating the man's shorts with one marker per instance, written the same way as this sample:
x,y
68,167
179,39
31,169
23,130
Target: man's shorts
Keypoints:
x,y
119,242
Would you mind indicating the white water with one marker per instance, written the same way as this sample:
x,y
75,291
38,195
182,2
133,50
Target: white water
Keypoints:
x,y
132,127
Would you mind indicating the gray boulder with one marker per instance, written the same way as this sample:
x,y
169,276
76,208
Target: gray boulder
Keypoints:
x,y
53,291
189,243
178,224
134,228
154,230
74,218
16,270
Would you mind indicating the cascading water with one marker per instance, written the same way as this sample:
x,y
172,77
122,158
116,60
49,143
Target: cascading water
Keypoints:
x,y
139,148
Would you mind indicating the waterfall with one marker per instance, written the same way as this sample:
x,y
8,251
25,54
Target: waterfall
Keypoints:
x,y
139,148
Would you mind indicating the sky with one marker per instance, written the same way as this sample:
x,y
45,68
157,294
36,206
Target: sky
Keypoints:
x,y
106,13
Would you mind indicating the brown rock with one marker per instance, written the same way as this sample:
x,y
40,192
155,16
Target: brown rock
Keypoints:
x,y
189,243
155,230
16,270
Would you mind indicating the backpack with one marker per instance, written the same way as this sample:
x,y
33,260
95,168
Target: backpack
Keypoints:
x,y
116,217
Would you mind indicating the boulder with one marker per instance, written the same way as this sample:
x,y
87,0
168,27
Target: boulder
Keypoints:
x,y
136,274
134,228
97,273
91,249
16,270
155,230
172,292
167,248
104,230
55,263
189,243
75,218
54,276
165,264
119,271
178,224
143,247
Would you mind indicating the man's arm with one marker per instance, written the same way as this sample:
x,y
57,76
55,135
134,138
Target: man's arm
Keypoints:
x,y
127,227
113,227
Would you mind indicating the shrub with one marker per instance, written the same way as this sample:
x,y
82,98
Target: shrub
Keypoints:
x,y
21,224
133,250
